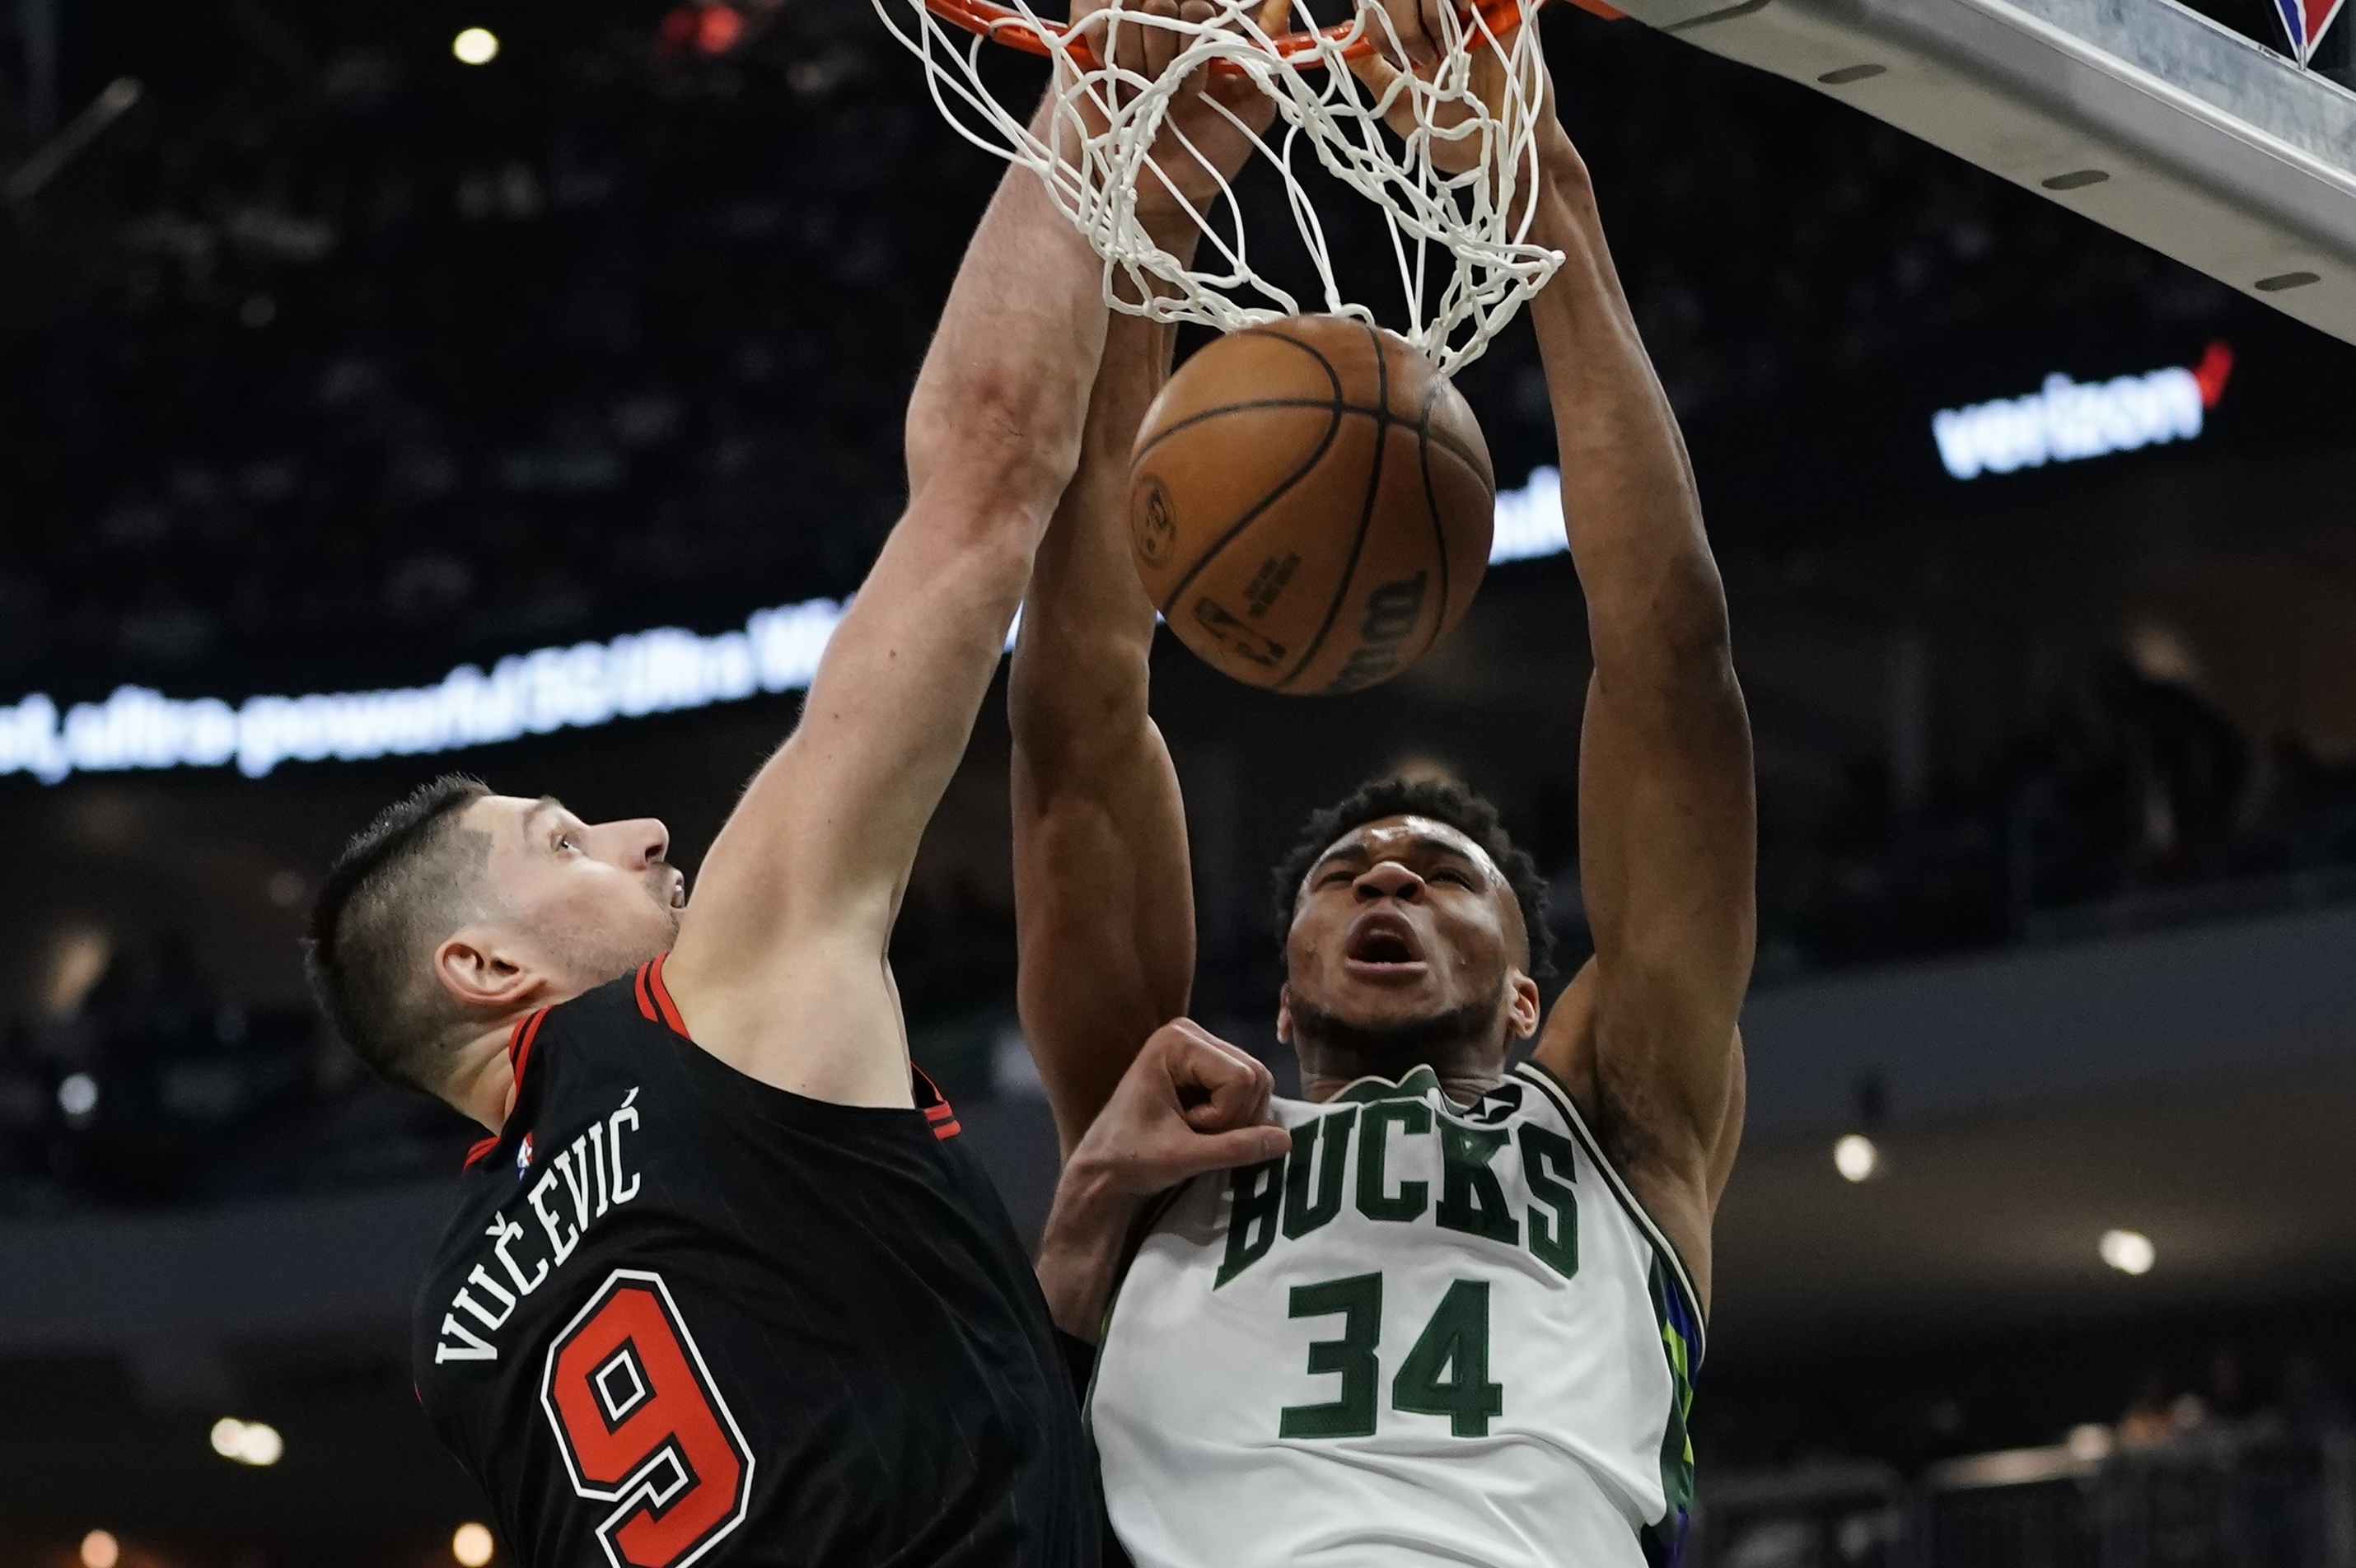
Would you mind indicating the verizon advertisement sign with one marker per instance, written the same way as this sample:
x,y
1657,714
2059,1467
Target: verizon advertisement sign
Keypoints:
x,y
2066,422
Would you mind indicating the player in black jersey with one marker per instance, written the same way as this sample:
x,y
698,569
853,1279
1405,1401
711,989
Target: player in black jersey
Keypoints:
x,y
724,1285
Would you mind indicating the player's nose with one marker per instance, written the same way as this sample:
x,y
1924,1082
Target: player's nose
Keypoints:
x,y
636,844
1389,880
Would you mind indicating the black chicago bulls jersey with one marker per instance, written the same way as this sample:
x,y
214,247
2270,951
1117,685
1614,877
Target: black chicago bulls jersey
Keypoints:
x,y
683,1316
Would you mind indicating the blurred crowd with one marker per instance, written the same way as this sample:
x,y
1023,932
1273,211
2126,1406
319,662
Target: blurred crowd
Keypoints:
x,y
2129,801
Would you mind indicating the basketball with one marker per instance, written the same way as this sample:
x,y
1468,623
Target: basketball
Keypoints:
x,y
1311,505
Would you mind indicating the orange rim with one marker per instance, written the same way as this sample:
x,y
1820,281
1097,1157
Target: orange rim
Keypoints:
x,y
1002,25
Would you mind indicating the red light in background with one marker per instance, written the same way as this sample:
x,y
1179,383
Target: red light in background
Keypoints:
x,y
718,29
2214,368
707,29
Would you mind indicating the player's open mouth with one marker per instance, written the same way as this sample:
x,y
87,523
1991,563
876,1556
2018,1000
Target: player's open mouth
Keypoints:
x,y
1382,945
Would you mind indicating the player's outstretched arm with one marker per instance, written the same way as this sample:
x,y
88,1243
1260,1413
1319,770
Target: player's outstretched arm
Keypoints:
x,y
1104,906
1103,901
779,967
1667,829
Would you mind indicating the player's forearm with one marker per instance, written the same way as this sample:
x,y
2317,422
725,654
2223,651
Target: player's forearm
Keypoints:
x,y
1080,1249
1654,598
999,403
1079,680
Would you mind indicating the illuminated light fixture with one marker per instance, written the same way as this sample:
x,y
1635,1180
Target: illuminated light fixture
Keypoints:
x,y
472,1546
718,28
1856,1158
254,1442
2129,1251
2089,1442
667,670
2066,420
78,1095
101,1550
476,46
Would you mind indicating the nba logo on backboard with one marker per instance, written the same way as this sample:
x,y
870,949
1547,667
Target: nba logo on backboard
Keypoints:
x,y
523,1158
2307,21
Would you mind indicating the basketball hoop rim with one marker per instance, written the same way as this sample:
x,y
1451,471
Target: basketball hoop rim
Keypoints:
x,y
1004,25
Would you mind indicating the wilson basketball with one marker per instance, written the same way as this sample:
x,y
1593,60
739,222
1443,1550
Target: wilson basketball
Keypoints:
x,y
1311,504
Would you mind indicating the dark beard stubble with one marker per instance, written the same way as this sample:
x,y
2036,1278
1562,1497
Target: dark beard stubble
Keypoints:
x,y
1393,1049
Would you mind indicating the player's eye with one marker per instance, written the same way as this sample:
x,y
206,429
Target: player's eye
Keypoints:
x,y
1450,874
564,841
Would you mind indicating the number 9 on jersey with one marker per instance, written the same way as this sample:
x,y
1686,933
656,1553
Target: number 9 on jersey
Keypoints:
x,y
641,1427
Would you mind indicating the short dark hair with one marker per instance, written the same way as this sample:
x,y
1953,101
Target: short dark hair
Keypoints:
x,y
404,882
1441,800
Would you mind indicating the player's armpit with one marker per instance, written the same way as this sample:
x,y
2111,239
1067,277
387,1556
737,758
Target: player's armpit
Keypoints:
x,y
1677,1170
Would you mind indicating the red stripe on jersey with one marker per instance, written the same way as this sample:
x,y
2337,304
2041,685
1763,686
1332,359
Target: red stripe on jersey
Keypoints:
x,y
519,1045
662,997
638,989
520,1040
934,1103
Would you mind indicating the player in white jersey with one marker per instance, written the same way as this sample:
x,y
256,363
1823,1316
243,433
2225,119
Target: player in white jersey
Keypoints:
x,y
1458,1321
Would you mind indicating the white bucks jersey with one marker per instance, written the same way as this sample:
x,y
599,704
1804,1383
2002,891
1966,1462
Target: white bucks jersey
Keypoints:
x,y
1427,1334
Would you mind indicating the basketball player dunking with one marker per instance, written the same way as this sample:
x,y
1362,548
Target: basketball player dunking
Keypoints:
x,y
724,1285
1459,1322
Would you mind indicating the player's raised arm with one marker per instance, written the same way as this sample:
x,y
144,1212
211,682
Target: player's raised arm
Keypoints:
x,y
1103,900
1667,823
779,967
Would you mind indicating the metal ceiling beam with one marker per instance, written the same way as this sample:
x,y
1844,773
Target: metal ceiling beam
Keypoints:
x,y
2140,115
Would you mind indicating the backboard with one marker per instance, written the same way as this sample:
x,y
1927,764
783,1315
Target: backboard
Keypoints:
x,y
2143,115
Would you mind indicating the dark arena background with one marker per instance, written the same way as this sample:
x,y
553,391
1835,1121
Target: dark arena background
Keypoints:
x,y
332,363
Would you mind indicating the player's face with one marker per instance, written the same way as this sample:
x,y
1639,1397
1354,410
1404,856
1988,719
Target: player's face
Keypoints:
x,y
1402,922
589,902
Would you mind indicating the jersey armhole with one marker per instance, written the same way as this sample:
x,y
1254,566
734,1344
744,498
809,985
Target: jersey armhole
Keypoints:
x,y
1556,1091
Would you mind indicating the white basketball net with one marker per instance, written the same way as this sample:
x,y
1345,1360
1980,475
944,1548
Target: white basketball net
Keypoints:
x,y
1460,240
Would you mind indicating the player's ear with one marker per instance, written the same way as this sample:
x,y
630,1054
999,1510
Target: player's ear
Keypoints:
x,y
480,971
1284,1015
1524,1006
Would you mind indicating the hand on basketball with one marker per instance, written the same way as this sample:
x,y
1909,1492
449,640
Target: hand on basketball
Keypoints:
x,y
1190,1103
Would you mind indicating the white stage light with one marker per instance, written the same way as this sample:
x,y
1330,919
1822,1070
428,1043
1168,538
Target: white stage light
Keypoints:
x,y
1856,1158
2129,1251
260,1445
476,46
256,1443
472,1546
100,1550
